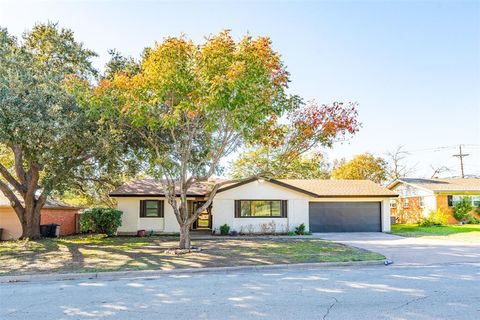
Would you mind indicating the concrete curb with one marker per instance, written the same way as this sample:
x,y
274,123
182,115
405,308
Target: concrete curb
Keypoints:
x,y
151,274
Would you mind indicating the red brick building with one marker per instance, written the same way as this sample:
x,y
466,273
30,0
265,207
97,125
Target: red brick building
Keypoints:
x,y
417,197
66,215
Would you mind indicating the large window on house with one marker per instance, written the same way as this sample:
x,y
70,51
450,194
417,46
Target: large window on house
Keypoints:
x,y
151,208
452,200
260,208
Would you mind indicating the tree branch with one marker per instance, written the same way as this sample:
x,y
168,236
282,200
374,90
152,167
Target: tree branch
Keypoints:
x,y
11,180
15,203
20,171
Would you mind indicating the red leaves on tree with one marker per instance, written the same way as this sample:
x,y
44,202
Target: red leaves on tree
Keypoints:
x,y
324,124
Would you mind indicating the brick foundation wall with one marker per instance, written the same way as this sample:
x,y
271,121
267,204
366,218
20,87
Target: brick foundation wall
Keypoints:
x,y
66,218
411,214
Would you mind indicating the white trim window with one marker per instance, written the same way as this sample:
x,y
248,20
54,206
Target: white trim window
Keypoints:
x,y
405,203
452,200
421,201
476,201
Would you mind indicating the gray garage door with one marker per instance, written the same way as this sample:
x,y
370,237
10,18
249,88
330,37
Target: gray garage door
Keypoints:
x,y
345,216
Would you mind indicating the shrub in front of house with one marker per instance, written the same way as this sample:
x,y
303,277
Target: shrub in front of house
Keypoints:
x,y
300,230
101,220
473,220
435,218
462,209
224,230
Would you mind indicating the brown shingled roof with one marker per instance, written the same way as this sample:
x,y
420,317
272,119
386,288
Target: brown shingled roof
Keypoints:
x,y
312,187
443,185
340,188
152,187
49,204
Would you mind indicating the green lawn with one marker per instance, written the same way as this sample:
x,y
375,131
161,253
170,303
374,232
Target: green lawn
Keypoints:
x,y
96,253
464,233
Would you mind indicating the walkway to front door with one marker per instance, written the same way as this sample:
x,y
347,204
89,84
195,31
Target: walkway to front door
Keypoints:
x,y
204,221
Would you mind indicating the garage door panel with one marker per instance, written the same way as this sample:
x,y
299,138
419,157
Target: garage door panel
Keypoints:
x,y
345,216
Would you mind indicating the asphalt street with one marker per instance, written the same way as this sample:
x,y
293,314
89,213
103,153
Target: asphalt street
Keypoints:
x,y
446,291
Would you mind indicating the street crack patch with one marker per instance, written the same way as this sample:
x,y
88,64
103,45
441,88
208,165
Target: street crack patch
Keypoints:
x,y
330,308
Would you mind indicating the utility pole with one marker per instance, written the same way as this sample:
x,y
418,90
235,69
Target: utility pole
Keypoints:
x,y
461,156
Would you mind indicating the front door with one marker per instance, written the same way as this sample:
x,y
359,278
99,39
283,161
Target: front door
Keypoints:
x,y
204,220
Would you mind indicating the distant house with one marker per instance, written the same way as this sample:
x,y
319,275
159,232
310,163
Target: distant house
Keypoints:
x,y
262,205
54,211
417,197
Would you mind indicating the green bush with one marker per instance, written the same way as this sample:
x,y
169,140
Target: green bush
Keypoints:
x,y
472,219
300,230
101,220
435,218
225,230
462,208
291,233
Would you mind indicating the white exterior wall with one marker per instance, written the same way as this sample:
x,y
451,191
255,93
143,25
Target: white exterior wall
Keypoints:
x,y
132,222
407,191
430,202
223,210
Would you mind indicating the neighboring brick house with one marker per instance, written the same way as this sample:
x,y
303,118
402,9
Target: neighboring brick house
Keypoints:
x,y
54,211
417,197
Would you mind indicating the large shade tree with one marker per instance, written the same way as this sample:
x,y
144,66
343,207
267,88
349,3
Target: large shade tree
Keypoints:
x,y
191,105
362,166
44,135
262,160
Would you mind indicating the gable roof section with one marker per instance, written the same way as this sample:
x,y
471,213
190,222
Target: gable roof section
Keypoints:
x,y
154,188
341,188
310,187
274,181
442,185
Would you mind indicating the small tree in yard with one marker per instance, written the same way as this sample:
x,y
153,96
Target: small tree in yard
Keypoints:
x,y
44,135
188,106
462,208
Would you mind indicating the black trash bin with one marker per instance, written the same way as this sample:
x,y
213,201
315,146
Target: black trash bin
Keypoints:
x,y
44,230
1,231
53,230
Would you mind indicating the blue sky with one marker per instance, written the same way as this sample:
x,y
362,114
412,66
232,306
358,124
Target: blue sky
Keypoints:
x,y
413,66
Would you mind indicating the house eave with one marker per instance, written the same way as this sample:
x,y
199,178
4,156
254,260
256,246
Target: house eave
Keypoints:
x,y
359,196
156,195
279,183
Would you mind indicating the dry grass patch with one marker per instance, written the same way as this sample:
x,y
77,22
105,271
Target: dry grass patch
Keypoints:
x,y
96,253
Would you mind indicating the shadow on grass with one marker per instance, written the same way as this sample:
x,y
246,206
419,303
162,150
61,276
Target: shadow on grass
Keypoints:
x,y
97,253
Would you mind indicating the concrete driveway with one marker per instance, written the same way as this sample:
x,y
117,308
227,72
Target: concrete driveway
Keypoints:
x,y
409,251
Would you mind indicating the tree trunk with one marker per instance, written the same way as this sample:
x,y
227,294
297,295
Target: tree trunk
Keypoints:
x,y
31,223
185,236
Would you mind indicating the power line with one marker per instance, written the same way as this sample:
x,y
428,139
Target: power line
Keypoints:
x,y
441,148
